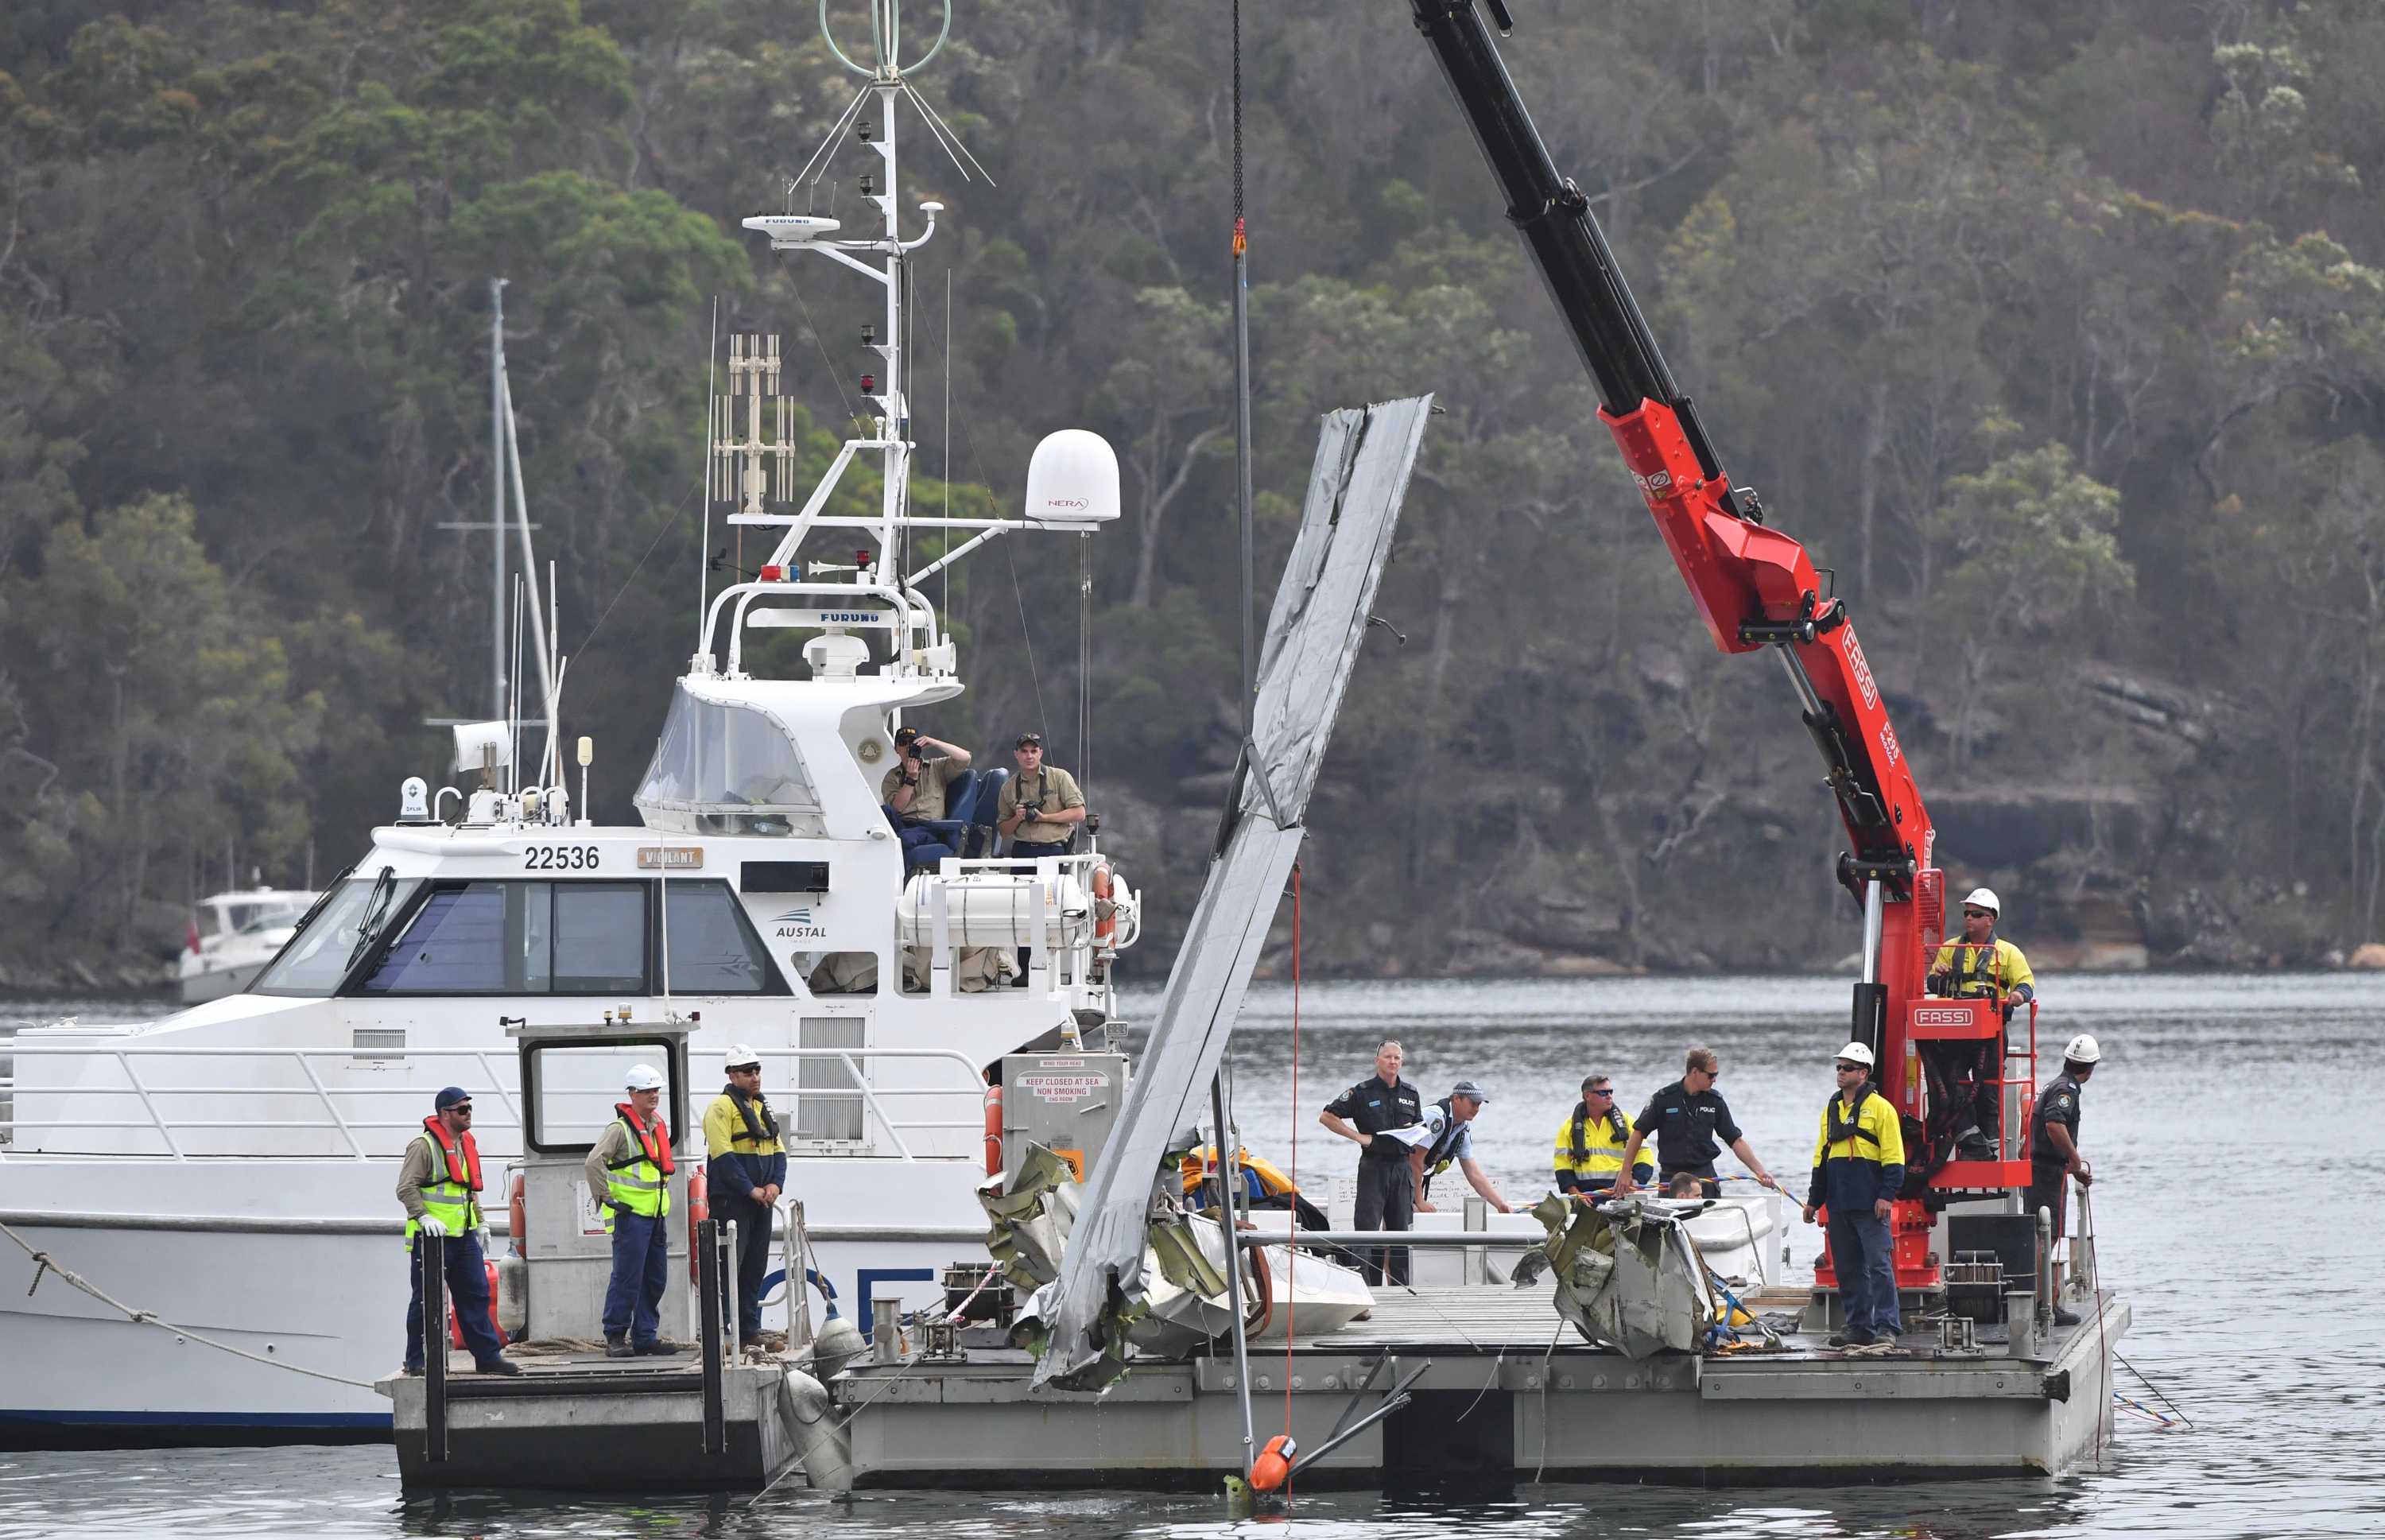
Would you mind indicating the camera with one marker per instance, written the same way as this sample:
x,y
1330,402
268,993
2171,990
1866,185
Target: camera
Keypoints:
x,y
1032,810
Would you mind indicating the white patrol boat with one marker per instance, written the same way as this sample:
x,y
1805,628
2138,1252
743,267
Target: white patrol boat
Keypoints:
x,y
225,1177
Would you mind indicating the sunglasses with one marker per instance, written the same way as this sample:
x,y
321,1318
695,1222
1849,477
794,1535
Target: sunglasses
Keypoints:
x,y
465,1108
1850,1069
1600,1091
1978,914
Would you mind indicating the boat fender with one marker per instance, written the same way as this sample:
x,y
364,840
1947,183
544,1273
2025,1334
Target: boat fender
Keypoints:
x,y
838,1345
1273,1467
994,1130
1105,910
516,1220
818,1435
513,1297
699,1209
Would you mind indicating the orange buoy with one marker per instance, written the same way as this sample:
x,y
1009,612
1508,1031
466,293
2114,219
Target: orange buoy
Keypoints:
x,y
1273,1467
994,1131
1104,912
699,1209
516,1222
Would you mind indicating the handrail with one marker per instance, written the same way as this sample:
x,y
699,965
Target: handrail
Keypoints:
x,y
127,1060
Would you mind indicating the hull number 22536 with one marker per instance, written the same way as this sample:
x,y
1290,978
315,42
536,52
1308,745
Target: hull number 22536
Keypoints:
x,y
560,858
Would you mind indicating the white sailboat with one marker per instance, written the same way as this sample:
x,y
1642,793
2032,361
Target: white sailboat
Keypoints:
x,y
233,935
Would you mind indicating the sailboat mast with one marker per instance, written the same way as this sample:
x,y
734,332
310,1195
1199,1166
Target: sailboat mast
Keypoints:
x,y
496,497
1243,396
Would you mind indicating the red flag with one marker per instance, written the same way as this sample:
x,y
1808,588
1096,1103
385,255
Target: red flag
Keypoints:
x,y
191,936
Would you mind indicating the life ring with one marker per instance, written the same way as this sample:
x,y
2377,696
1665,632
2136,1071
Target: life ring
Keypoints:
x,y
516,1226
699,1209
1104,912
994,1130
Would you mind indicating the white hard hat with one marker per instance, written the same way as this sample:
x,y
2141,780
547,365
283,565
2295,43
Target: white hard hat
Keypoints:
x,y
1984,898
644,1077
740,1055
2083,1049
1858,1054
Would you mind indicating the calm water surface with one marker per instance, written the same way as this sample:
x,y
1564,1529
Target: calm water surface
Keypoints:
x,y
2231,1118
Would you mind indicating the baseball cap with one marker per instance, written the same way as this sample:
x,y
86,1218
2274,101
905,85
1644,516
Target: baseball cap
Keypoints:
x,y
1029,739
449,1098
1468,1088
902,736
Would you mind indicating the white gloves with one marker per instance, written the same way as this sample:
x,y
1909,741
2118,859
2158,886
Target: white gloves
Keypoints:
x,y
430,1226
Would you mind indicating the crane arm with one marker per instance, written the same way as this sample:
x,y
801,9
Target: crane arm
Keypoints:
x,y
1754,586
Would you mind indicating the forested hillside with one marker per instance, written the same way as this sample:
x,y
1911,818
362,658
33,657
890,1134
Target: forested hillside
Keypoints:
x,y
2059,331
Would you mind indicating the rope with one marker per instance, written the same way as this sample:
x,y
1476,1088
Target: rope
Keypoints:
x,y
1291,1260
2149,1384
45,1263
1042,723
1241,243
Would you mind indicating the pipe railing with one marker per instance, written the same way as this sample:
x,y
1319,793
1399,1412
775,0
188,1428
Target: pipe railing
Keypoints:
x,y
346,1126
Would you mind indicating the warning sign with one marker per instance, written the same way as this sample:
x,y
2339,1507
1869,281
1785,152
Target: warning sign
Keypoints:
x,y
1062,1089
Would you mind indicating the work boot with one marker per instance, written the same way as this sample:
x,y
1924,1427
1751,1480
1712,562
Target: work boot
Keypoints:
x,y
1850,1338
2065,1318
412,1372
616,1348
498,1366
661,1347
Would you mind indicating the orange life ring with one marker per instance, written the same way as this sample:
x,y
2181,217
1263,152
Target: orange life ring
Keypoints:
x,y
994,1131
1105,912
516,1222
699,1209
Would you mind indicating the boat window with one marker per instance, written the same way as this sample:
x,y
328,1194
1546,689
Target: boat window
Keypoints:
x,y
713,951
520,938
318,957
600,937
455,945
725,769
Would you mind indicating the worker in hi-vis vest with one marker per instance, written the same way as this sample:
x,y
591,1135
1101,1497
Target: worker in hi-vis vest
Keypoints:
x,y
745,1171
438,1182
1858,1170
628,1172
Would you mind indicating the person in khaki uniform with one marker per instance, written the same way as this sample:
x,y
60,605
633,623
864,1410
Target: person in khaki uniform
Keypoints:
x,y
912,795
1041,805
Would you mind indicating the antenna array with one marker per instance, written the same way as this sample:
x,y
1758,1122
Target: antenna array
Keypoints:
x,y
740,461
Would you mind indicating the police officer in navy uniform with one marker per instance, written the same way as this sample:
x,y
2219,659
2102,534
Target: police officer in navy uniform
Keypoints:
x,y
2054,1155
1450,1121
1688,1117
1386,1189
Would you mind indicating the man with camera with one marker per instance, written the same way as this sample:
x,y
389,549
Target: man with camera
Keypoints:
x,y
1041,805
912,794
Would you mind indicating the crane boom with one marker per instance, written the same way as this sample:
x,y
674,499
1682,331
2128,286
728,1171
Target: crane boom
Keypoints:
x,y
1754,586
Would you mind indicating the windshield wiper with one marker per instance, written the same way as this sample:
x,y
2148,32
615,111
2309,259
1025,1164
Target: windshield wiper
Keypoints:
x,y
376,913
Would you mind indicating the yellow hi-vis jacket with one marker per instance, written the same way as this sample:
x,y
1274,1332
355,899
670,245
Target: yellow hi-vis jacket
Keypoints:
x,y
1994,970
1858,1159
1601,1159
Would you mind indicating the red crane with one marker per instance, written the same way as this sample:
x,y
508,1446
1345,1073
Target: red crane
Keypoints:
x,y
1756,588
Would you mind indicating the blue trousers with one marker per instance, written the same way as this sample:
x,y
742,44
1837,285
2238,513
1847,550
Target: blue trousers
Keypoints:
x,y
1860,1252
922,848
467,1285
633,1300
741,1294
